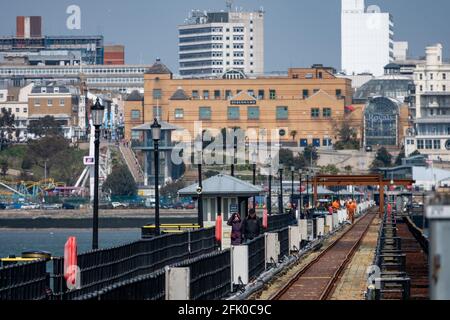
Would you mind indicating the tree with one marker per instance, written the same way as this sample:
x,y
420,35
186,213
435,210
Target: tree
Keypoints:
x,y
400,157
293,134
310,155
329,169
348,138
288,159
4,167
7,120
382,159
348,169
120,182
172,189
46,126
48,151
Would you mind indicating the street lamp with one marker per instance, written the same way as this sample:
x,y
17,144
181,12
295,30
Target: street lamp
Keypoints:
x,y
269,198
156,136
300,173
200,189
97,112
254,161
234,158
280,195
292,186
307,189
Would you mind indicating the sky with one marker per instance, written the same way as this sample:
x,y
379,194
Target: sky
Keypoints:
x,y
298,33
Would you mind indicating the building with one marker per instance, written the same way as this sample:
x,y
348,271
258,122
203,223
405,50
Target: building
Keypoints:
x,y
211,43
57,50
114,55
366,38
60,102
121,79
305,106
431,111
15,100
401,50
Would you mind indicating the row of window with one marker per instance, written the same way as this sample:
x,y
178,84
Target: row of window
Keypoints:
x,y
316,142
25,110
253,113
37,102
115,80
433,88
259,94
69,70
428,144
431,76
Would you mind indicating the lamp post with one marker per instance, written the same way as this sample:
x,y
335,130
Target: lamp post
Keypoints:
x,y
292,186
156,136
300,173
269,198
280,196
254,161
307,189
200,189
234,159
97,112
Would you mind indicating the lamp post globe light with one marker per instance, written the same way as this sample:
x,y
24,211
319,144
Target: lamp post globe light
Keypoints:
x,y
97,113
254,161
156,136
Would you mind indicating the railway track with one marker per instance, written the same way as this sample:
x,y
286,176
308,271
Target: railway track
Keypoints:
x,y
316,281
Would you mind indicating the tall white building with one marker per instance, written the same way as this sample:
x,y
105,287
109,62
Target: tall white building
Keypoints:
x,y
432,107
366,38
212,43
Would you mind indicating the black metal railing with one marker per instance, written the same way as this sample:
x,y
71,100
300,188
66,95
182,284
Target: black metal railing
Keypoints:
x,y
256,257
210,275
103,268
24,281
201,242
149,287
283,238
279,221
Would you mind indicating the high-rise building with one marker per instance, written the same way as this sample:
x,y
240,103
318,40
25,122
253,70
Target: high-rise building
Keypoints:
x,y
366,38
211,43
114,55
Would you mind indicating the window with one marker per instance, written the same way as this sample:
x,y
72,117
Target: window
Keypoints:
x,y
282,113
421,76
273,94
305,94
233,113
431,76
228,94
62,102
251,92
25,110
431,88
206,95
437,144
320,75
204,113
428,144
179,113
316,142
327,143
315,91
303,143
338,93
50,102
444,76
261,94
17,109
217,94
195,94
421,88
444,87
253,113
156,94
135,114
37,102
327,112
315,112
420,144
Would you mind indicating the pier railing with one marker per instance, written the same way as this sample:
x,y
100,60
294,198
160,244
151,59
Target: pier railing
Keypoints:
x,y
26,281
256,257
283,238
102,268
280,221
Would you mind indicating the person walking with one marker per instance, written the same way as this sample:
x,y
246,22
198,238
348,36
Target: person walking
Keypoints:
x,y
351,208
235,222
251,226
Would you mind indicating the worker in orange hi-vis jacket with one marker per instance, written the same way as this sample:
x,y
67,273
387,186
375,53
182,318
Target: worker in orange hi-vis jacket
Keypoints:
x,y
336,205
351,209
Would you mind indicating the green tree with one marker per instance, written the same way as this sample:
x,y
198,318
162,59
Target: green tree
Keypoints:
x,y
48,151
172,189
384,156
120,182
348,169
310,155
4,167
7,121
400,157
329,169
46,126
348,138
376,165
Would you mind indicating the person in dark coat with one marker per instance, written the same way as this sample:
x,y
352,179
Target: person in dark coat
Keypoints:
x,y
235,222
251,226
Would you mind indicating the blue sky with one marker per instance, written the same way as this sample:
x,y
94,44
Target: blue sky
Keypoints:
x,y
298,32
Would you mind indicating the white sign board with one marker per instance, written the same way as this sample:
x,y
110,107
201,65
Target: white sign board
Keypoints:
x,y
89,161
438,212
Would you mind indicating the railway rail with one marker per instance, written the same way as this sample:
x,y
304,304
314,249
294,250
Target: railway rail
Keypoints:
x,y
316,281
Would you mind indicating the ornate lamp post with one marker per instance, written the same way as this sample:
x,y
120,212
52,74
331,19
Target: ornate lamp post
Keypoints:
x,y
97,112
156,136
